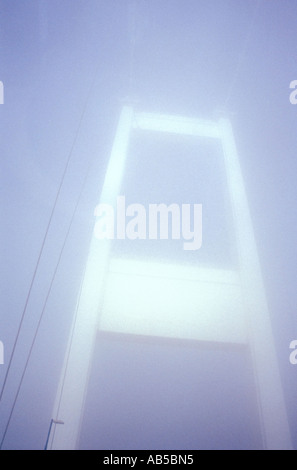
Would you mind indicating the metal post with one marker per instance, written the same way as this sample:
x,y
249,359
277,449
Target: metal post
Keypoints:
x,y
53,421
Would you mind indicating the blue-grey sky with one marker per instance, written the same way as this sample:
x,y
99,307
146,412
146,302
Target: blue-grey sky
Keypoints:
x,y
67,60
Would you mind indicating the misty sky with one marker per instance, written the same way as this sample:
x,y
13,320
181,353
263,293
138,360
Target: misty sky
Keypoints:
x,y
66,65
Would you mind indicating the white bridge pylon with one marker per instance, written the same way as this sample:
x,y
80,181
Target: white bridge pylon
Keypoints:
x,y
203,304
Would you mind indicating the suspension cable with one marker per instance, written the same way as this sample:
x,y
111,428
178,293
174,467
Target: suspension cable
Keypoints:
x,y
68,160
65,367
45,304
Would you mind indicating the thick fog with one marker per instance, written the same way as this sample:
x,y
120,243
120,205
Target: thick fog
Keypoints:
x,y
68,68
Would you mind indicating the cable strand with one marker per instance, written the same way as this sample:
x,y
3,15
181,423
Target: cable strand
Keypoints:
x,y
44,307
45,240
